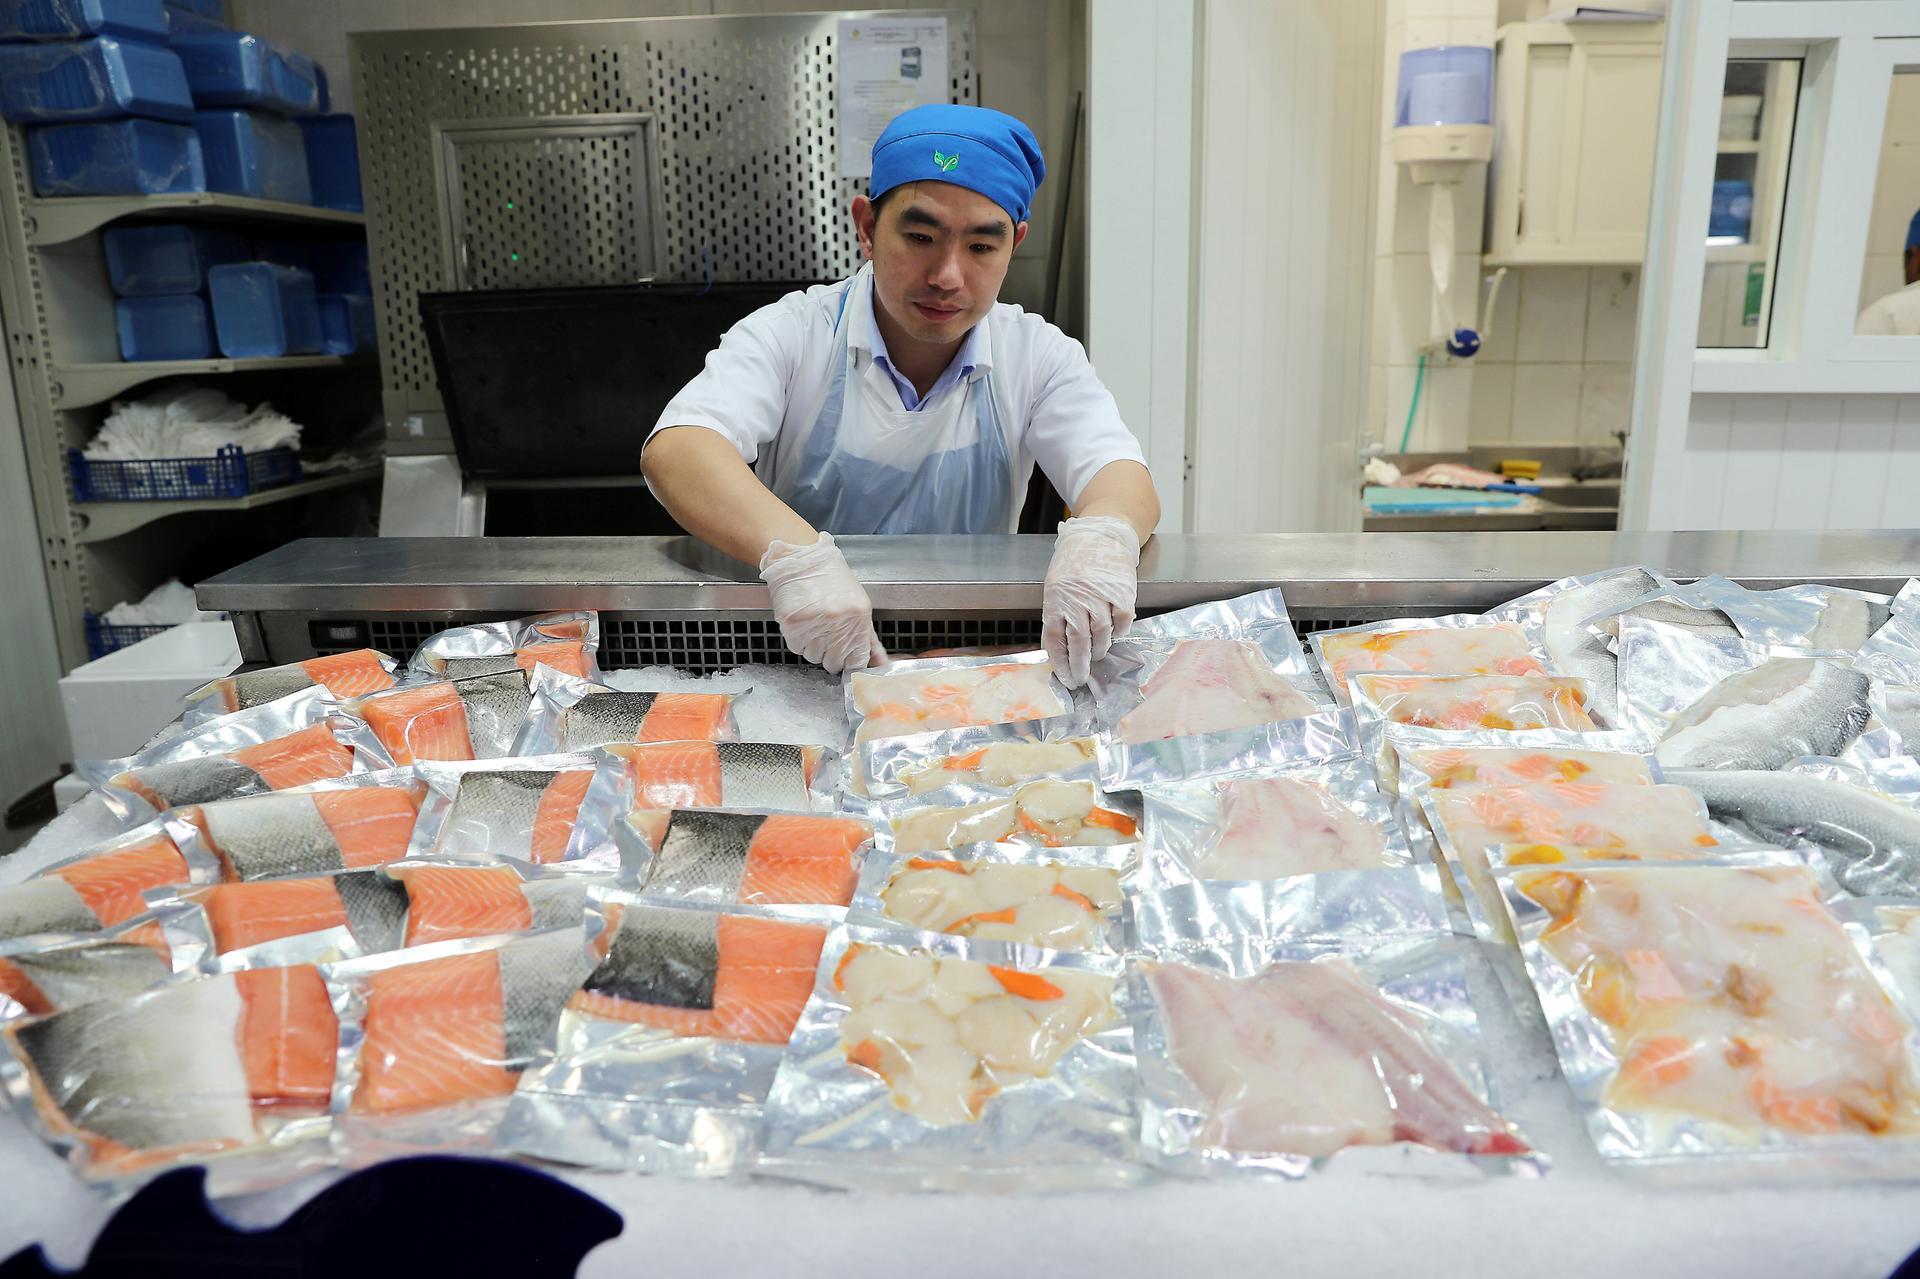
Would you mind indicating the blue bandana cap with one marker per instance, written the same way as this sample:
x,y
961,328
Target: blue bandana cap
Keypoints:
x,y
974,147
1913,232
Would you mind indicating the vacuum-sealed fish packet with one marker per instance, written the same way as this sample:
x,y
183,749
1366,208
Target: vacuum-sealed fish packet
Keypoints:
x,y
352,823
102,886
476,717
664,1057
568,714
1458,644
723,857
1556,618
1050,813
1323,735
1272,823
993,756
1242,615
566,642
1724,702
522,808
51,972
1892,926
1899,636
1702,1012
1281,1025
1846,619
1453,704
232,1071
925,1061
342,675
1867,831
285,743
927,695
1612,758
433,1040
1059,898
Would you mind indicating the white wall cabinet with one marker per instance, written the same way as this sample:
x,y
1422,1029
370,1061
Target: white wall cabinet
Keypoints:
x,y
1575,108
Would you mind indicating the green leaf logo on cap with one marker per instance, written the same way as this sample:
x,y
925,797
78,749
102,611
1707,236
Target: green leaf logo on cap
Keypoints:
x,y
946,163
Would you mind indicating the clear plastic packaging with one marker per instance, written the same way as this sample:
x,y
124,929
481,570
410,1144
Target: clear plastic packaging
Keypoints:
x,y
1447,705
924,1061
353,823
285,743
1617,762
1367,1045
569,714
1057,898
102,886
1869,839
722,858
343,675
926,695
1050,813
51,972
991,756
1458,644
1557,617
478,717
523,808
663,1059
568,642
1272,823
1285,743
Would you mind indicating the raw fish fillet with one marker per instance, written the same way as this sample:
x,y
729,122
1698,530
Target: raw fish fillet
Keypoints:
x,y
553,820
1449,767
893,705
751,858
1871,842
692,973
948,1035
1731,995
1036,904
1771,715
343,674
371,907
1846,622
1209,686
1504,703
699,774
445,902
420,721
463,1027
110,885
1574,649
1002,764
1271,827
310,755
495,707
1498,648
524,813
1308,1059
611,717
79,972
1049,813
275,836
567,656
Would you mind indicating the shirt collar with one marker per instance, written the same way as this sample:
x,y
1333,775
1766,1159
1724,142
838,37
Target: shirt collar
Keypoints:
x,y
975,353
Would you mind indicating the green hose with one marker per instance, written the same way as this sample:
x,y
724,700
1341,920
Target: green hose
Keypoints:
x,y
1419,376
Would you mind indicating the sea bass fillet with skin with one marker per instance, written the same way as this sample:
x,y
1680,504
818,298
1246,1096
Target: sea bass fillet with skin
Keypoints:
x,y
1574,649
1212,686
1272,827
1771,715
1307,1059
1872,843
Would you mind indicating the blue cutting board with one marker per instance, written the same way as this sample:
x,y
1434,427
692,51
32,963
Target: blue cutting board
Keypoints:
x,y
1389,500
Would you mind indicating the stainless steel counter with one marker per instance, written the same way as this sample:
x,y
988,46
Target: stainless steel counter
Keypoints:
x,y
325,594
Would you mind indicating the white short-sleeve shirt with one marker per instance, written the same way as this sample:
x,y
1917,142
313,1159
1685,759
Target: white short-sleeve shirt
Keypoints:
x,y
766,381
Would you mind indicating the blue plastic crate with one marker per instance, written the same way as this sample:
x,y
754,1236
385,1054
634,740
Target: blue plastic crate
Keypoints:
x,y
235,69
253,153
339,266
105,637
262,311
346,321
229,473
92,80
116,157
333,162
168,257
216,9
173,327
66,19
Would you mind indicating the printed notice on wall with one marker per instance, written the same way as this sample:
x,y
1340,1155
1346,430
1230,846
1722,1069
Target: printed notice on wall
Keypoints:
x,y
881,68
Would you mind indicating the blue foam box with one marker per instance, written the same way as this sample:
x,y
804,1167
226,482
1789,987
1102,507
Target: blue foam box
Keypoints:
x,y
261,310
333,162
66,19
181,22
215,9
253,153
339,266
164,328
167,257
92,80
235,69
346,322
117,157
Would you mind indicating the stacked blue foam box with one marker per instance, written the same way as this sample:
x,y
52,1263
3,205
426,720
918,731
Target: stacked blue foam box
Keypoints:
x,y
262,310
159,272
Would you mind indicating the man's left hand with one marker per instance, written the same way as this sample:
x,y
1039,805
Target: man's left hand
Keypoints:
x,y
1089,595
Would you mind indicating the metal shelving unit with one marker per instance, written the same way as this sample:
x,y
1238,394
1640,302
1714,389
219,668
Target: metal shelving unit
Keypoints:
x,y
58,311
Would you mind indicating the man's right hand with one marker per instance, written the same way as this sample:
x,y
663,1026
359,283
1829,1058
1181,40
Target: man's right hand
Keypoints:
x,y
823,611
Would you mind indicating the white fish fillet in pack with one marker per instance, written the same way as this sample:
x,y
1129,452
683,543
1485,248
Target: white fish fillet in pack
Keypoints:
x,y
1059,898
342,675
567,642
51,972
1456,704
663,1058
1457,644
739,857
1271,824
348,823
1892,926
102,1081
931,1062
567,714
1708,1012
994,756
1724,702
284,743
1456,756
928,695
432,1041
522,808
1279,1026
1557,615
1049,813
1845,620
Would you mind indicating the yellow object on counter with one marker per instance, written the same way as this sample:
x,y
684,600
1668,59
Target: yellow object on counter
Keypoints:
x,y
1520,468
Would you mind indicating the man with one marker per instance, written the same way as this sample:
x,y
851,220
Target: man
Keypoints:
x,y
907,399
1898,313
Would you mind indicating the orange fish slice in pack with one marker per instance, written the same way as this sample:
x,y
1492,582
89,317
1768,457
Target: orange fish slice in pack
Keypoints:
x,y
310,833
296,759
752,858
722,774
342,674
608,717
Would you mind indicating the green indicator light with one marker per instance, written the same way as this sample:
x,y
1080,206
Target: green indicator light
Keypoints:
x,y
509,204
516,257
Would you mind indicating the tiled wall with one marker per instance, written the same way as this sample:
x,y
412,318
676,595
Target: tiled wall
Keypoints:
x,y
1558,363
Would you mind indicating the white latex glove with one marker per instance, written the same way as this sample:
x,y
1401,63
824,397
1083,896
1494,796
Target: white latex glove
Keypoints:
x,y
1088,600
822,609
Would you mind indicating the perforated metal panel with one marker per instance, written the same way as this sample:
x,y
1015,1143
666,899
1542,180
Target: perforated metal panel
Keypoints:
x,y
744,112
